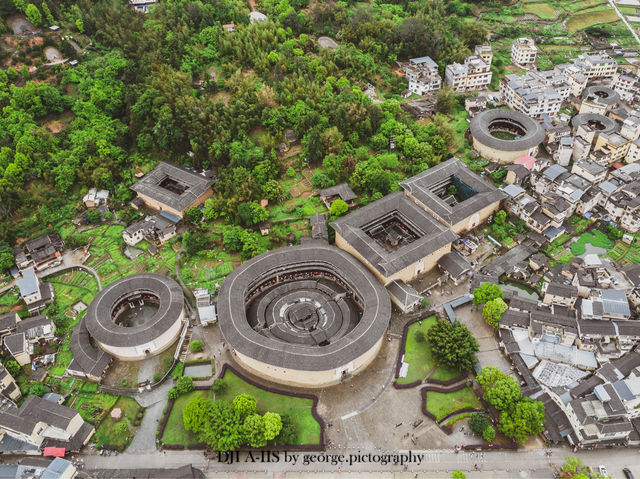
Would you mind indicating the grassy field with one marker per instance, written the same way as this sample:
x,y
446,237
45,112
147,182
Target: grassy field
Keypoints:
x,y
597,238
441,404
107,434
419,356
585,20
298,409
175,433
543,10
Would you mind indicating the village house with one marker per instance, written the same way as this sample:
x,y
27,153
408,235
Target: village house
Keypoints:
x,y
473,75
596,65
173,189
422,74
39,252
156,229
524,52
41,423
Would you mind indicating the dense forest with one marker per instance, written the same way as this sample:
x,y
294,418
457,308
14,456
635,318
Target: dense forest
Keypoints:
x,y
173,85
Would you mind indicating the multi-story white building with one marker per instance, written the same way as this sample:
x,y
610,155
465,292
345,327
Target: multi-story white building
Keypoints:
x,y
625,85
575,77
597,65
422,74
535,93
523,52
485,52
473,75
633,154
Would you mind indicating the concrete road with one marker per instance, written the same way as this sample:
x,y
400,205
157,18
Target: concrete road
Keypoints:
x,y
354,463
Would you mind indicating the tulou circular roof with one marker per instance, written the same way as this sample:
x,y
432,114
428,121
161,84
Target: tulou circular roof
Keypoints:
x,y
481,129
103,329
312,307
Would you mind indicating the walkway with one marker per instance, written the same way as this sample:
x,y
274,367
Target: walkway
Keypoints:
x,y
438,463
145,439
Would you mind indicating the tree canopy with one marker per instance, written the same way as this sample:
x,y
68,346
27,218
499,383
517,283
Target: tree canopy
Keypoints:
x,y
453,344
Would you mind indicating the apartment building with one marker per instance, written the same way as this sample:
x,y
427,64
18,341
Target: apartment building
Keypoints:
x,y
422,74
535,93
473,75
596,65
524,52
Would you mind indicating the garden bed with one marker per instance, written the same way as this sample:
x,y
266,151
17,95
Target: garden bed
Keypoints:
x,y
107,433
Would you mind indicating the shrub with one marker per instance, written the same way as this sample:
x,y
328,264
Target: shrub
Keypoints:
x,y
157,377
173,393
185,384
478,423
195,346
219,386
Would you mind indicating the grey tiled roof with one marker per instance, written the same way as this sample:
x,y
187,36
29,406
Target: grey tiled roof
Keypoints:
x,y
421,186
104,330
434,235
150,186
310,256
342,190
480,130
455,264
86,357
404,293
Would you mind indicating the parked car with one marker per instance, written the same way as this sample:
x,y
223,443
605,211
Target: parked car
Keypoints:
x,y
603,470
627,473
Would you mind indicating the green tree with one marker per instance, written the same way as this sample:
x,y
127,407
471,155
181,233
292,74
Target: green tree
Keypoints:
x,y
193,216
458,475
38,389
489,376
244,405
33,14
47,14
185,384
338,207
219,386
291,172
195,414
173,393
524,420
80,25
493,310
453,344
195,346
321,180
504,395
272,425
12,367
253,430
486,292
445,100
288,435
6,256
273,191
20,5
194,242
222,431
573,468
500,218
94,216
478,423
489,434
